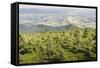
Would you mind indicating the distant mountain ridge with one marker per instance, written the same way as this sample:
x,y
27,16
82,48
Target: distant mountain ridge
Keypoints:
x,y
43,28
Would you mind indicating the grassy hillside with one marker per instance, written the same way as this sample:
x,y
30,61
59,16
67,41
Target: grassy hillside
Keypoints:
x,y
61,46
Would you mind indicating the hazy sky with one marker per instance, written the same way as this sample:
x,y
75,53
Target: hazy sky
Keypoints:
x,y
51,7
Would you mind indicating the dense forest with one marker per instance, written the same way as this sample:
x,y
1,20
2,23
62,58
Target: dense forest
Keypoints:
x,y
73,45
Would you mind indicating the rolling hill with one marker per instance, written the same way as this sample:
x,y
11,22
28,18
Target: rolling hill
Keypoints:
x,y
42,27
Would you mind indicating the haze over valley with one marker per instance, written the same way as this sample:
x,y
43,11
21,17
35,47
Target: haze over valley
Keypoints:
x,y
46,18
